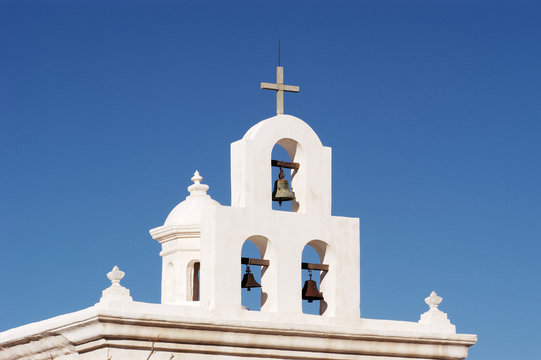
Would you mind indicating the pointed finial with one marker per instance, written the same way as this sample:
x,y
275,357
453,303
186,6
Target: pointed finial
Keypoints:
x,y
196,178
115,275
279,51
197,188
433,300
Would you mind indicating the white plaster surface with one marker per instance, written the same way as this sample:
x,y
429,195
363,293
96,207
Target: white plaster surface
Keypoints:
x,y
180,238
217,327
128,329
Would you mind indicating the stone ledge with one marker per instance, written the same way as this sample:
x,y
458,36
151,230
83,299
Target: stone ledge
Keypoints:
x,y
103,328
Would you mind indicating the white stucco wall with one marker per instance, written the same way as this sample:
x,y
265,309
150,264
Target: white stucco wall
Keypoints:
x,y
217,326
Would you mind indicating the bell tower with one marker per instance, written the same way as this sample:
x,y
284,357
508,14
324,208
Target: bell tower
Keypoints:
x,y
202,315
281,236
202,240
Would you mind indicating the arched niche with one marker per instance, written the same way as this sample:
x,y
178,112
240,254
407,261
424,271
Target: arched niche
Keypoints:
x,y
193,280
251,170
315,252
289,151
255,247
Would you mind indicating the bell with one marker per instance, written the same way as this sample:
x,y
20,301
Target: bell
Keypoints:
x,y
310,291
248,280
281,190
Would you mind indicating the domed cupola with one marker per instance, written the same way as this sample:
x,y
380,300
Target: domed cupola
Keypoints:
x,y
190,210
180,237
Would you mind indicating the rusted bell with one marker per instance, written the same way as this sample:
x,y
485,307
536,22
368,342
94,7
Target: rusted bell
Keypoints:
x,y
248,280
281,190
310,291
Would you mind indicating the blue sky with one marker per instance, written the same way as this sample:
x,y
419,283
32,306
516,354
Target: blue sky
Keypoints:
x,y
431,107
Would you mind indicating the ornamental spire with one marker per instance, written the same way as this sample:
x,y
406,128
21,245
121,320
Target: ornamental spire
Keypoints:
x,y
434,319
115,291
197,188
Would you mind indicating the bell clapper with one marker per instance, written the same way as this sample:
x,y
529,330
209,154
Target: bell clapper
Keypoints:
x,y
281,175
310,278
248,272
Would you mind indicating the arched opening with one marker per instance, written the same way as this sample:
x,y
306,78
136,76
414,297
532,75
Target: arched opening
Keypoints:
x,y
283,167
313,268
253,268
192,282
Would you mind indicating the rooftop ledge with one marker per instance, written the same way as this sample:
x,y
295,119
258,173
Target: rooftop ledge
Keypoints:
x,y
175,327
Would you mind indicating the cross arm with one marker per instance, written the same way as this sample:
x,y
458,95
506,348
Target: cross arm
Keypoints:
x,y
291,88
269,86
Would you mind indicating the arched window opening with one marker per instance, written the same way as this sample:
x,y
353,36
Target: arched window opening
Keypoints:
x,y
313,273
283,172
253,268
195,287
193,280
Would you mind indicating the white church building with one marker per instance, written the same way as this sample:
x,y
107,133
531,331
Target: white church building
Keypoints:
x,y
201,316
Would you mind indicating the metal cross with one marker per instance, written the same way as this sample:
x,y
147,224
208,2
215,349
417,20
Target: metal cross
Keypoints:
x,y
279,87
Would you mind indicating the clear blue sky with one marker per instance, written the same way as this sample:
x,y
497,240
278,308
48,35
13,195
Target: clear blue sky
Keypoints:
x,y
432,109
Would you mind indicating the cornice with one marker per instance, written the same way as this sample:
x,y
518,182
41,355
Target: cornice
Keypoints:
x,y
163,234
106,328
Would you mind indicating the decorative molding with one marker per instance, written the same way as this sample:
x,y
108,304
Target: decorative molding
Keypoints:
x,y
164,234
119,330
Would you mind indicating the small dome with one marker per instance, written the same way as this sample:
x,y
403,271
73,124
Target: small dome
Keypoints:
x,y
189,211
